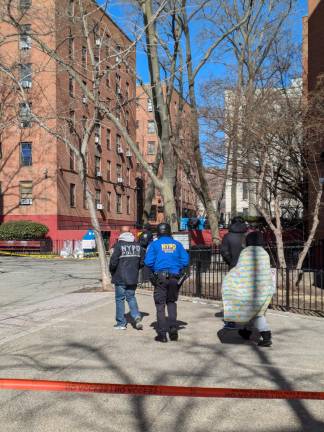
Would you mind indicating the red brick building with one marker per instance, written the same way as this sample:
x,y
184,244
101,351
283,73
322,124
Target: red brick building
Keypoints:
x,y
38,173
147,141
313,62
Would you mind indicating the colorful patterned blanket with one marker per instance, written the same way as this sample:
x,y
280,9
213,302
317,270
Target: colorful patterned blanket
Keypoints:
x,y
248,287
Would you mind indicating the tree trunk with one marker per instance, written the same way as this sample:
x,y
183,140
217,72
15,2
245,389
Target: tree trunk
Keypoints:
x,y
150,189
170,210
105,279
149,195
313,229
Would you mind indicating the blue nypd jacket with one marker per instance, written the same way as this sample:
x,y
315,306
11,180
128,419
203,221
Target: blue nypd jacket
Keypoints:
x,y
166,254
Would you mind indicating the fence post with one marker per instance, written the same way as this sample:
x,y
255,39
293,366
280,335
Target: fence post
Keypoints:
x,y
198,279
287,288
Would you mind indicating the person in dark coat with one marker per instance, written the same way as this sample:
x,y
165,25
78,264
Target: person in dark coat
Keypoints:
x,y
125,263
233,243
145,238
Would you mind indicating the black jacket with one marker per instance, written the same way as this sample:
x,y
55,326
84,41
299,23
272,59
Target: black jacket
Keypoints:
x,y
126,260
233,243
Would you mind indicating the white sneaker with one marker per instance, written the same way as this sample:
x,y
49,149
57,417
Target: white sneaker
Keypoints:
x,y
119,327
138,323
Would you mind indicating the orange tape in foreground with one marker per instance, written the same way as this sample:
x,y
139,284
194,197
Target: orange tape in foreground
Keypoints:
x,y
155,390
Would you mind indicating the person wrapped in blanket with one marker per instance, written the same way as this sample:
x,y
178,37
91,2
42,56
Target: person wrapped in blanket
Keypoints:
x,y
248,289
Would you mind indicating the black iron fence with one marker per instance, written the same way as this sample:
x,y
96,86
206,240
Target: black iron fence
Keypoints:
x,y
300,291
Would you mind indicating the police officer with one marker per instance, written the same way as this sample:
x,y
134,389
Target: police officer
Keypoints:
x,y
167,259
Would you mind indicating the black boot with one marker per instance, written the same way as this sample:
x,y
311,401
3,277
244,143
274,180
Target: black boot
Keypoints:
x,y
245,333
173,334
266,339
161,337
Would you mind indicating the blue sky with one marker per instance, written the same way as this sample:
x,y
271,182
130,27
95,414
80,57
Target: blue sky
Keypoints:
x,y
119,11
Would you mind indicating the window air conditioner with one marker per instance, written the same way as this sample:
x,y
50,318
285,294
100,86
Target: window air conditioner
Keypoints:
x,y
98,174
97,139
24,45
98,42
26,84
84,100
100,206
129,154
120,150
119,179
26,201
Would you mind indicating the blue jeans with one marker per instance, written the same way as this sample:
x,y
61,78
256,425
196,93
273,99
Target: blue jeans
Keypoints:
x,y
127,292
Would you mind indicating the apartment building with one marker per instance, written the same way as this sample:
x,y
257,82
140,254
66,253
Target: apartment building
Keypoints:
x,y
313,61
38,171
246,186
147,141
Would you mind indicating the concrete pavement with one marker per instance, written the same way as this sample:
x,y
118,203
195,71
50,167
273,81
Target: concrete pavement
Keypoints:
x,y
65,335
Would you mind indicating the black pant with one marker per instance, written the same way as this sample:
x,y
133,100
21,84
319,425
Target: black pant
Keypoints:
x,y
166,294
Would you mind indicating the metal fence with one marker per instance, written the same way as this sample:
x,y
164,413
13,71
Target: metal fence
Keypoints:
x,y
300,291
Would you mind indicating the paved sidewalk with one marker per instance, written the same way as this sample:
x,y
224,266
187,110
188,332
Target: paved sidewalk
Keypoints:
x,y
70,337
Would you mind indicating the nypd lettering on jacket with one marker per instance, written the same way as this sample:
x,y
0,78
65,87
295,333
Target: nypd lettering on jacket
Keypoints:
x,y
126,260
166,254
128,251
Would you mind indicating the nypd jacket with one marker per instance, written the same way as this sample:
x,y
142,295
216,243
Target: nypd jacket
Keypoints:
x,y
126,260
166,254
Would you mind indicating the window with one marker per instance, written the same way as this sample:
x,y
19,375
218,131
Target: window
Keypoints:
x,y
118,171
109,201
149,105
84,56
127,120
84,122
97,132
118,84
24,5
108,171
71,86
71,46
84,97
25,114
118,56
137,124
26,154
118,203
153,214
98,166
150,127
98,197
107,76
72,195
108,139
151,148
128,205
118,144
26,192
72,160
245,193
97,61
25,41
72,122
25,75
71,8
127,90
128,176
96,35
